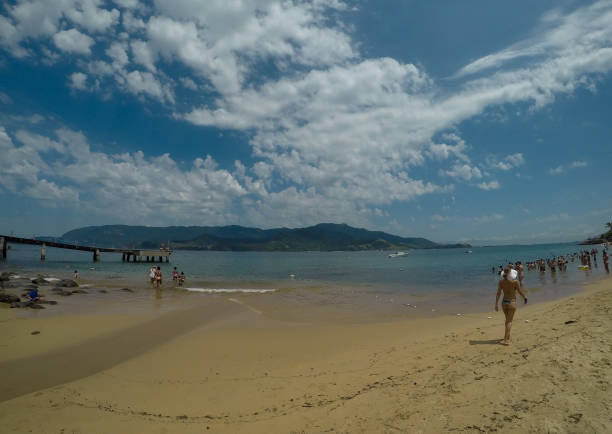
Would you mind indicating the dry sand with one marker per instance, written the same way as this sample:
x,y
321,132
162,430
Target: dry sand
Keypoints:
x,y
225,366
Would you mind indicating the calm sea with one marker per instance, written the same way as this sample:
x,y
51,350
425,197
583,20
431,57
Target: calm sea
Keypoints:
x,y
421,273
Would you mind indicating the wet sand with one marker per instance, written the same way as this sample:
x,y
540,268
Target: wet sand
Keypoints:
x,y
237,364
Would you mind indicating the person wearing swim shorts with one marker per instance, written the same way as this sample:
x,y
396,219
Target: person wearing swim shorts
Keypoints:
x,y
509,288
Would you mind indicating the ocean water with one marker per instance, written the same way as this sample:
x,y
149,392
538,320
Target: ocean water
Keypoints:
x,y
436,273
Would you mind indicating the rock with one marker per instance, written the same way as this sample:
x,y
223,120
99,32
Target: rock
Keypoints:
x,y
79,291
4,276
30,304
127,290
8,298
61,291
103,291
35,332
47,301
67,283
40,281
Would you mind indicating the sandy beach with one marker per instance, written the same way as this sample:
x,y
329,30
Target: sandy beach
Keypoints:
x,y
227,364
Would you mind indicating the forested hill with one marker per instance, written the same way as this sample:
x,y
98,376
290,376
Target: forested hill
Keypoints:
x,y
322,237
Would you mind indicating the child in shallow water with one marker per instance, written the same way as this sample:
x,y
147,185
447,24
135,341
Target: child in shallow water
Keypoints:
x,y
181,279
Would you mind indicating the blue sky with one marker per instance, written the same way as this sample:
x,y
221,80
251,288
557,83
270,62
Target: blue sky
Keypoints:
x,y
478,121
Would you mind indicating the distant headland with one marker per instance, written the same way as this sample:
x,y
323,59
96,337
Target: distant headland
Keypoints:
x,y
603,238
321,237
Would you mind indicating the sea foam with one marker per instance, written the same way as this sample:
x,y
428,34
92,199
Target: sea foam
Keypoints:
x,y
230,290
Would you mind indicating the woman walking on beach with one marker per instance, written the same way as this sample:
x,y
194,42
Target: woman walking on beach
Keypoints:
x,y
510,288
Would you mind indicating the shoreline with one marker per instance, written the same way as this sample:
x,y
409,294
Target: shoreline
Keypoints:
x,y
247,372
335,302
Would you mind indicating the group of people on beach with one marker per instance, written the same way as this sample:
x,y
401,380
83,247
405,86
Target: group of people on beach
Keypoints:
x,y
588,260
512,276
156,277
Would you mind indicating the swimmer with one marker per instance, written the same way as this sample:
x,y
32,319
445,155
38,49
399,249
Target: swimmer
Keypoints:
x,y
510,288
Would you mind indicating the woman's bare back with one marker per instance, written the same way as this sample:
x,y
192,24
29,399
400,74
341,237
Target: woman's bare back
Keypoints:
x,y
510,288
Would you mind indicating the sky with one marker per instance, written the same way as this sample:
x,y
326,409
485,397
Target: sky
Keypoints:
x,y
474,121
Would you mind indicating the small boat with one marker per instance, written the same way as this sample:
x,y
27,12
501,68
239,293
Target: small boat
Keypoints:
x,y
398,254
468,251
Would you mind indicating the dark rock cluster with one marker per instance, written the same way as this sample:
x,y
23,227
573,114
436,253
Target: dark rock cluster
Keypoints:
x,y
21,287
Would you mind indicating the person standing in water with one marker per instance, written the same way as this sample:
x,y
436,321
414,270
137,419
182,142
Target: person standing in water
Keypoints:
x,y
175,276
158,277
152,275
509,288
521,272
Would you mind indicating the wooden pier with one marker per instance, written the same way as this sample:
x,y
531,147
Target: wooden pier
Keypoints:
x,y
135,255
146,255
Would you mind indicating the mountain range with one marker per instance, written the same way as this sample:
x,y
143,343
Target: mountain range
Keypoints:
x,y
322,237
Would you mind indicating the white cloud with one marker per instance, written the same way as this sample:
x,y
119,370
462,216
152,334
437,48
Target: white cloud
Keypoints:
x,y
73,41
128,4
116,184
576,164
78,80
493,185
46,190
5,99
439,218
464,172
487,218
561,168
30,119
144,82
507,163
556,170
579,32
143,55
443,151
553,218
332,128
188,83
89,15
